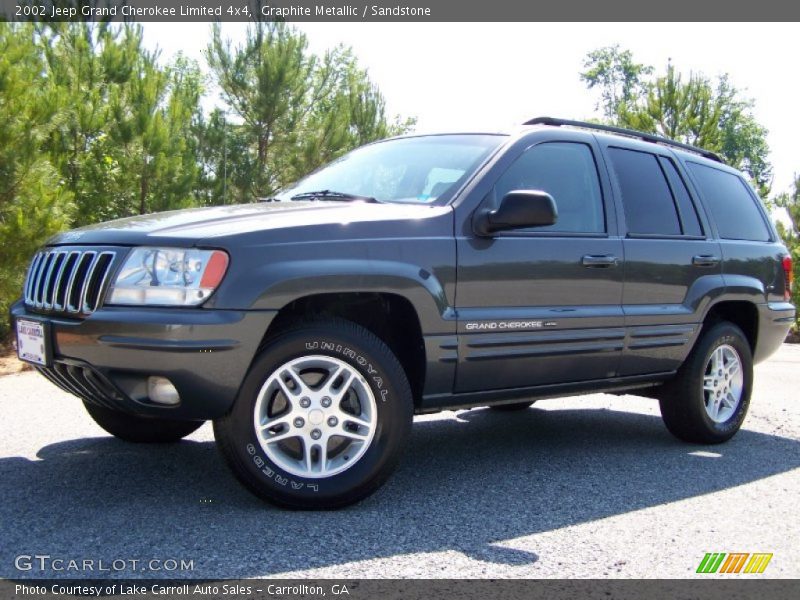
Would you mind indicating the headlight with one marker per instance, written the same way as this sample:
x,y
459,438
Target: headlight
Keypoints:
x,y
168,276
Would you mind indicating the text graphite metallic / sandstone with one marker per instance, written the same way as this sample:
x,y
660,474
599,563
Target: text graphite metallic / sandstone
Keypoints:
x,y
345,11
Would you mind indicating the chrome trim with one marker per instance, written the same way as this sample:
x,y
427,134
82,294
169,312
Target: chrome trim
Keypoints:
x,y
56,305
87,281
30,278
54,274
84,256
47,265
101,286
49,298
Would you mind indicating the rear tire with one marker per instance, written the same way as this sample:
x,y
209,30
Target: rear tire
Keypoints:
x,y
707,401
135,429
321,417
512,407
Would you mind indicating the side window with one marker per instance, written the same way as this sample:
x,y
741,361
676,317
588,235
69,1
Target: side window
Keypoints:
x,y
732,206
567,172
646,197
689,220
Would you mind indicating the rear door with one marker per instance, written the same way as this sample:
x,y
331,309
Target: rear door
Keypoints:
x,y
752,255
671,260
543,305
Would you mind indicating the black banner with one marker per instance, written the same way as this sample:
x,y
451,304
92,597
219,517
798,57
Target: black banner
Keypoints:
x,y
398,10
397,589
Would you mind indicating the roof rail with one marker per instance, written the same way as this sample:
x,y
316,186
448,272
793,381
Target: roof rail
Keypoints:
x,y
647,137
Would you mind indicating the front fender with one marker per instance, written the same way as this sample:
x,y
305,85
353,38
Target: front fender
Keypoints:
x,y
283,282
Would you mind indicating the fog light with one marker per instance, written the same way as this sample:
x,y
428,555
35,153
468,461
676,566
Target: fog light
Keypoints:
x,y
161,390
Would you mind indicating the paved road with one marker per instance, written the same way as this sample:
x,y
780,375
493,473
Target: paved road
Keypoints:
x,y
580,487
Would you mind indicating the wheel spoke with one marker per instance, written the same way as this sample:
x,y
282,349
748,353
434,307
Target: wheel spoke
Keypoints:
x,y
708,383
364,428
713,408
323,455
332,378
301,389
308,447
284,388
353,435
276,421
347,380
346,417
715,361
278,437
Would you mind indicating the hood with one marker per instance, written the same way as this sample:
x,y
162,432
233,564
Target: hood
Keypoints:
x,y
198,225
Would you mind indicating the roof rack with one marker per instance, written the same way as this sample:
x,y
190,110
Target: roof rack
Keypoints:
x,y
647,137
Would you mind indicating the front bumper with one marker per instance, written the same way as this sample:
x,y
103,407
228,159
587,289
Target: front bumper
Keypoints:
x,y
107,357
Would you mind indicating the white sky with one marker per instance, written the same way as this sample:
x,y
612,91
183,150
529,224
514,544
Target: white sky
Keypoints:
x,y
493,76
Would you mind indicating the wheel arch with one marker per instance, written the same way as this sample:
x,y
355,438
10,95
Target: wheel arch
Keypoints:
x,y
289,281
742,313
391,317
733,298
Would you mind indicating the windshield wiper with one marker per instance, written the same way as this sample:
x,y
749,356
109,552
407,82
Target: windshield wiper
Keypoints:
x,y
335,196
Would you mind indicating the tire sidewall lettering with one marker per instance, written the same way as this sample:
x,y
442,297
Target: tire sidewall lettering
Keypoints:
x,y
270,473
355,357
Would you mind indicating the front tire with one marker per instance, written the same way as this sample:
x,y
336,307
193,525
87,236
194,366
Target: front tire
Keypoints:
x,y
321,418
708,400
143,430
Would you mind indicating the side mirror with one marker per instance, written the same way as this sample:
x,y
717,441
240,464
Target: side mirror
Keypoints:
x,y
518,209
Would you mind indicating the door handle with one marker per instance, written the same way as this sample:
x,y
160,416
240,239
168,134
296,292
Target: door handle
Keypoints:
x,y
599,261
705,260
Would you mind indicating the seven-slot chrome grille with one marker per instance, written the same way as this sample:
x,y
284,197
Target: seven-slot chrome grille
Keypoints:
x,y
68,280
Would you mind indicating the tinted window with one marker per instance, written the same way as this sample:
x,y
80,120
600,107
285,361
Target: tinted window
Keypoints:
x,y
730,203
648,203
568,173
689,221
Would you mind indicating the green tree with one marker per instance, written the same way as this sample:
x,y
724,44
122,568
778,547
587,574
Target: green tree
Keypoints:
x,y
619,79
123,142
696,110
351,114
790,202
298,110
227,167
86,63
33,204
153,116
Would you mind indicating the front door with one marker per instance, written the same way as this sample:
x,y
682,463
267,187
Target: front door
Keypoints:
x,y
543,305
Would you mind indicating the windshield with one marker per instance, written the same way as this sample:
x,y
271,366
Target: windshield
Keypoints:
x,y
417,169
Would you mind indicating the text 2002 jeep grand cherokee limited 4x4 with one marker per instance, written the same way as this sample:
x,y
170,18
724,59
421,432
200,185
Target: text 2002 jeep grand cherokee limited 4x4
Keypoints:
x,y
410,276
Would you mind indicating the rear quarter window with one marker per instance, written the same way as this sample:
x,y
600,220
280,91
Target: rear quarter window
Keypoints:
x,y
646,198
731,204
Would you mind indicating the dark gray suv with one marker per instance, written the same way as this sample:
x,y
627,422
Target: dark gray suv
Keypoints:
x,y
410,276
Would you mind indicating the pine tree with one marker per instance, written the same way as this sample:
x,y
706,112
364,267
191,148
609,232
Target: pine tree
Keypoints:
x,y
695,110
297,110
33,204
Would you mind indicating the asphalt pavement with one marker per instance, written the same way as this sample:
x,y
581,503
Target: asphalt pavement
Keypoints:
x,y
589,486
